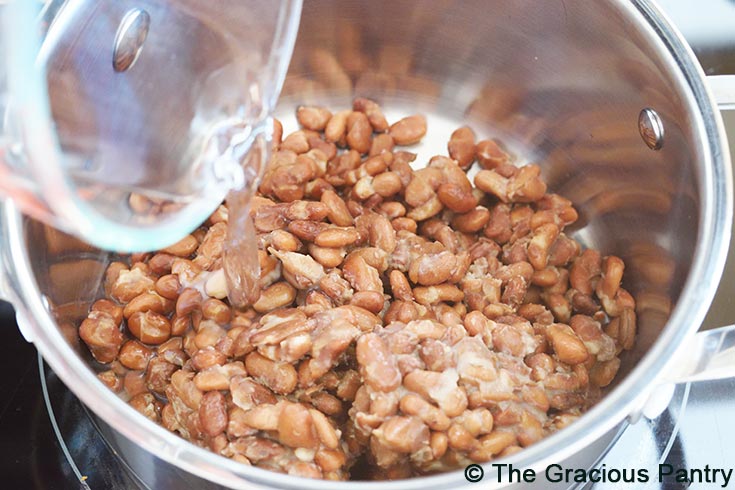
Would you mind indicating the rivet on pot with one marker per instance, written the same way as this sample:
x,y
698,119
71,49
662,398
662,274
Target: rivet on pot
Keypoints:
x,y
651,128
129,39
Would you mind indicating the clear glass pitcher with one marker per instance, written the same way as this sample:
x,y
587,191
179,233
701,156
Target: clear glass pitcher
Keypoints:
x,y
126,122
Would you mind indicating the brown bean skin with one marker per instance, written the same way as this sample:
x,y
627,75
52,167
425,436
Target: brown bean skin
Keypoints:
x,y
275,296
134,383
148,301
112,380
168,286
102,335
338,212
279,377
490,155
461,146
382,372
336,237
161,263
408,130
336,126
472,221
387,184
456,198
131,283
370,300
406,224
400,286
567,345
314,118
189,300
158,374
134,355
214,309
150,327
147,404
112,274
107,306
359,132
296,427
381,143
277,133
373,111
213,413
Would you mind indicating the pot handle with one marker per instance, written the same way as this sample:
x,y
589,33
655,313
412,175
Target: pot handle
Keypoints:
x,y
709,355
723,89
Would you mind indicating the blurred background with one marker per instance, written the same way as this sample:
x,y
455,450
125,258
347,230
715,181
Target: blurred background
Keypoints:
x,y
709,26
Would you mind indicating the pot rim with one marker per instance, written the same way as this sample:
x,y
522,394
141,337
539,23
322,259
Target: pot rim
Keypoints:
x,y
715,187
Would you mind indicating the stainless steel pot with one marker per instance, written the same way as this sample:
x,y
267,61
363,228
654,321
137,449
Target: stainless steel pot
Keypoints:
x,y
605,95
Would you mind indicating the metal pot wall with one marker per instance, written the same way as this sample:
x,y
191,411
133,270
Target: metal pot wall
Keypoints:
x,y
565,82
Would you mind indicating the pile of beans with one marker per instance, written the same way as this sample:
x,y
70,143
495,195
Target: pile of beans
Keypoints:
x,y
410,321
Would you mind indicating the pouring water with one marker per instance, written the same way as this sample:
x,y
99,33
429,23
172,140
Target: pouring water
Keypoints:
x,y
126,123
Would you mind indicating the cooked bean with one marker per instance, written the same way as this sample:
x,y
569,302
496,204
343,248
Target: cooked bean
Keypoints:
x,y
150,327
417,317
359,132
408,130
168,286
183,248
567,345
314,118
148,301
461,146
107,306
279,377
134,355
102,335
213,413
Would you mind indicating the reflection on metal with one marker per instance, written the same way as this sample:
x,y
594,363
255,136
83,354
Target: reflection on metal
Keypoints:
x,y
129,39
651,128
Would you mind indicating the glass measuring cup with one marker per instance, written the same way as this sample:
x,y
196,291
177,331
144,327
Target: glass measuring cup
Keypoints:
x,y
126,122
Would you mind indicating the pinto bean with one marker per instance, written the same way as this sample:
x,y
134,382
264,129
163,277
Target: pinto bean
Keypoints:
x,y
405,312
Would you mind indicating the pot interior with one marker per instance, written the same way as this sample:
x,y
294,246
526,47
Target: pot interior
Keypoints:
x,y
560,84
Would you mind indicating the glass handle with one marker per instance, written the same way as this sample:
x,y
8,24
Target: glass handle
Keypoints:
x,y
7,290
5,293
